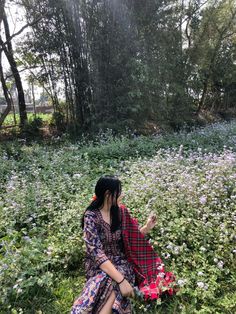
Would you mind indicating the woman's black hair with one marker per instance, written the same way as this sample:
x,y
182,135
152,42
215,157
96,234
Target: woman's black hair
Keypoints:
x,y
113,184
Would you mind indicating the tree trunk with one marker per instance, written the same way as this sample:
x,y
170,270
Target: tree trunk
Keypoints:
x,y
203,97
10,57
33,97
5,91
2,5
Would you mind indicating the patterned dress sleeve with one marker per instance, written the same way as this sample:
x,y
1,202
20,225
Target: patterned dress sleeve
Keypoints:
x,y
92,240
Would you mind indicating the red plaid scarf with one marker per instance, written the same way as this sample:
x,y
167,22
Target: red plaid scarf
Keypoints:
x,y
151,278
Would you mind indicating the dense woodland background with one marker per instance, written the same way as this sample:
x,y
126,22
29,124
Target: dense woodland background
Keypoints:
x,y
120,64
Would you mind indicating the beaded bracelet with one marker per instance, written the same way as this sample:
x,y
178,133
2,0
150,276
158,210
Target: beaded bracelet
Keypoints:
x,y
121,281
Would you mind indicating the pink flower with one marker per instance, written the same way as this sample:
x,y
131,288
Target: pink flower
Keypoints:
x,y
154,296
170,291
152,285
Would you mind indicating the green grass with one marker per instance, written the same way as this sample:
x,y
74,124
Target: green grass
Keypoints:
x,y
10,118
187,178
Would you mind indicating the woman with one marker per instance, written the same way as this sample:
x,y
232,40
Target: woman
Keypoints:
x,y
110,277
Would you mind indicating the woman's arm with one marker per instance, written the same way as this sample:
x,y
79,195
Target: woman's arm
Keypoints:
x,y
110,269
125,287
95,249
151,221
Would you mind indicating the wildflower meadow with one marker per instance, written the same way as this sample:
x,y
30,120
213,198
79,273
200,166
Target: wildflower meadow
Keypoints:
x,y
187,178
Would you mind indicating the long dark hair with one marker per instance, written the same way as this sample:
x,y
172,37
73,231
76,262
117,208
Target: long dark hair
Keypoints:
x,y
113,184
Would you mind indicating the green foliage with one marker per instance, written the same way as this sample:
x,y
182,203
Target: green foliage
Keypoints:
x,y
186,177
45,117
32,128
131,65
58,120
119,65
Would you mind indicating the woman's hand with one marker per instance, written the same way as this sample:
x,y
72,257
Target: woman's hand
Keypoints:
x,y
126,289
151,221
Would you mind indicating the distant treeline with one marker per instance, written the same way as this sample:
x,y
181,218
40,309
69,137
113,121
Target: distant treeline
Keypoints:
x,y
128,62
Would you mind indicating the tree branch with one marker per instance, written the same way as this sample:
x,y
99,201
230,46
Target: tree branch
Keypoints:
x,y
19,32
192,13
22,70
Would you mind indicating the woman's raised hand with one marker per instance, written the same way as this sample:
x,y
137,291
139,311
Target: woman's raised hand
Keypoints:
x,y
126,289
151,221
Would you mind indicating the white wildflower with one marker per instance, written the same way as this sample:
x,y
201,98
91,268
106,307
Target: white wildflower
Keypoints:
x,y
220,264
200,284
203,199
77,175
181,282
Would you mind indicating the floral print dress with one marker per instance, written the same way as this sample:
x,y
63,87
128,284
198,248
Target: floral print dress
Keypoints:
x,y
101,245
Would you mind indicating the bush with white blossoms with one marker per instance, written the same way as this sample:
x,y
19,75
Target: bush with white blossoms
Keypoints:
x,y
188,179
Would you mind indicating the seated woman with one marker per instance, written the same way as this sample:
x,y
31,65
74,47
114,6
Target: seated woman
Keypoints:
x,y
110,278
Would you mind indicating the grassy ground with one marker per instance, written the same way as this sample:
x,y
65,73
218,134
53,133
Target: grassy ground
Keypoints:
x,y
10,118
187,178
